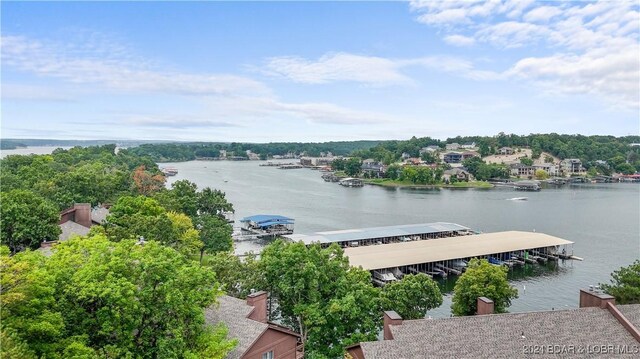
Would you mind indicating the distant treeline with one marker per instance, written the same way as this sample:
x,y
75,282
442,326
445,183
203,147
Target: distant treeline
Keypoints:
x,y
586,148
10,145
170,152
36,142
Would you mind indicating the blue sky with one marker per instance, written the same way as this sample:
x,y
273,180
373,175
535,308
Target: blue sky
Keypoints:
x,y
311,71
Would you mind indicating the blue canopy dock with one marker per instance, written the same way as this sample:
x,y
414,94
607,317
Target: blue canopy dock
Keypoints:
x,y
267,225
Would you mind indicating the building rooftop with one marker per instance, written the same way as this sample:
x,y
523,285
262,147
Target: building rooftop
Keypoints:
x,y
71,228
233,313
376,232
505,335
441,249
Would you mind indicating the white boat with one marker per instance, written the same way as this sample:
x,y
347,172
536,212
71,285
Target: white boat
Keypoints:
x,y
518,199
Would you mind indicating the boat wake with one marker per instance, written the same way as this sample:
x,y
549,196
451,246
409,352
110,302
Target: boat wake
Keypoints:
x,y
517,199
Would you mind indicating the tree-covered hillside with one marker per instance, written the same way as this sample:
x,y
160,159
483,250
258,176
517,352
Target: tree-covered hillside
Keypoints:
x,y
174,152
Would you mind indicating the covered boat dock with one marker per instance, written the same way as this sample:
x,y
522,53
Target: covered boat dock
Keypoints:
x,y
267,225
383,235
443,256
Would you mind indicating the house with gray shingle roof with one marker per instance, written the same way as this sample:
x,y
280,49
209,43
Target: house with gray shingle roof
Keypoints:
x,y
598,328
76,221
247,322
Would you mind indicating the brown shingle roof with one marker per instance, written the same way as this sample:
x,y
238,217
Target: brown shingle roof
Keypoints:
x,y
233,313
500,335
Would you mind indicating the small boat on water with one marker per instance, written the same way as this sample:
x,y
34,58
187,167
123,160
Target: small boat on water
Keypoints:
x,y
518,199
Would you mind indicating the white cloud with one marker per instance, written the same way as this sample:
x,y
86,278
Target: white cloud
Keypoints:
x,y
511,34
368,70
459,40
338,67
542,14
249,109
594,45
87,65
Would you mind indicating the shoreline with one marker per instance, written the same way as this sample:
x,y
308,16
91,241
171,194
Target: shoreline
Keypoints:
x,y
394,184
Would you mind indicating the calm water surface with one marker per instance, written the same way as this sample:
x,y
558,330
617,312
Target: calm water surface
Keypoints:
x,y
602,219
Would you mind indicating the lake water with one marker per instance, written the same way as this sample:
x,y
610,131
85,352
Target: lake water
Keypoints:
x,y
37,150
602,219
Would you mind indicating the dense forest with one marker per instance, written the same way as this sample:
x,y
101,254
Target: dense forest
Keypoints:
x,y
173,152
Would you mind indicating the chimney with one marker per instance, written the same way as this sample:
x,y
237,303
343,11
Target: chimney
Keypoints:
x,y
82,214
593,298
485,306
390,318
258,301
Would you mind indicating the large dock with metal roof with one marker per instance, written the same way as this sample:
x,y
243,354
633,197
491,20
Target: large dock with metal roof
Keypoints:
x,y
437,249
383,235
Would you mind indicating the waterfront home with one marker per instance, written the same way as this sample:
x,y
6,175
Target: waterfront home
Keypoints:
x,y
598,328
316,161
430,149
413,161
372,168
570,166
452,146
460,174
76,221
468,146
247,322
469,154
550,168
452,157
521,170
505,151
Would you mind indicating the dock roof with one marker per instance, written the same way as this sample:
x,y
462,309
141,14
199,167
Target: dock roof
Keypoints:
x,y
376,232
442,249
260,218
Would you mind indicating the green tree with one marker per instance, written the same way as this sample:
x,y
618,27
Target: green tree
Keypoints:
x,y
393,172
625,284
215,234
541,174
412,296
139,216
29,316
26,220
186,239
526,161
473,165
182,197
237,277
353,166
482,280
213,201
133,300
331,304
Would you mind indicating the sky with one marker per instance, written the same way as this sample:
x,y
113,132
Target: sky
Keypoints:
x,y
318,71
